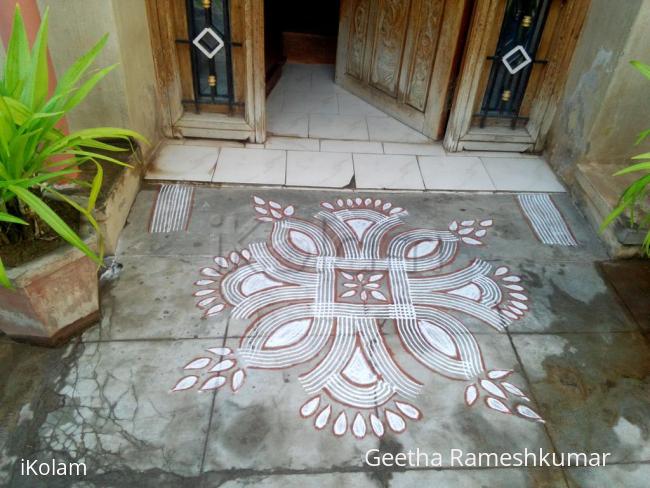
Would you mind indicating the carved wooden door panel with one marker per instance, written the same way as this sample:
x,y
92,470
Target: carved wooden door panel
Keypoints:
x,y
399,55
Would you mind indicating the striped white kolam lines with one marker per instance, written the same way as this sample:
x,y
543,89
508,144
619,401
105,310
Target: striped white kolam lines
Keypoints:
x,y
322,296
545,219
172,209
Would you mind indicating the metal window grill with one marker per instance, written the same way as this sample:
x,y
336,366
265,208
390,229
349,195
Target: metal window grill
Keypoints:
x,y
210,44
513,60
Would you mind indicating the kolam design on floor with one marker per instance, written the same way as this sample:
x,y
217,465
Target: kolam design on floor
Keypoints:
x,y
325,293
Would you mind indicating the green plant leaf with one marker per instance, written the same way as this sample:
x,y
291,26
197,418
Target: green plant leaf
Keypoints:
x,y
96,186
108,132
101,145
628,200
5,217
86,213
18,56
633,168
94,155
53,220
37,83
70,78
641,137
79,95
643,68
38,179
4,279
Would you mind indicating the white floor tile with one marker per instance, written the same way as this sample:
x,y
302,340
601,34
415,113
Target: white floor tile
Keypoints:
x,y
288,124
323,72
389,129
328,170
353,105
184,162
291,70
310,102
443,173
294,143
332,145
387,172
275,100
338,126
294,79
522,174
322,81
257,166
416,149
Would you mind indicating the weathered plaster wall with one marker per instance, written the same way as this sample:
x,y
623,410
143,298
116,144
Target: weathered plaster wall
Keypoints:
x,y
126,97
625,111
605,101
138,67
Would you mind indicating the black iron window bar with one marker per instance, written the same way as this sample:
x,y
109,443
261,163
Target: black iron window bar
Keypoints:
x,y
209,50
506,87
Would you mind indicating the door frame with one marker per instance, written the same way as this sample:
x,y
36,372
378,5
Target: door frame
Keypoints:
x,y
481,38
175,122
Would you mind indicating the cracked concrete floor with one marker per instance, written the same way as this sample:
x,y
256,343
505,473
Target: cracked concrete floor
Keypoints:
x,y
106,399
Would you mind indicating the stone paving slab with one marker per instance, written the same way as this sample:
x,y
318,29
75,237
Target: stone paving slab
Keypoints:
x,y
329,480
568,297
533,478
627,475
116,412
593,389
449,423
631,280
426,477
152,299
27,373
260,428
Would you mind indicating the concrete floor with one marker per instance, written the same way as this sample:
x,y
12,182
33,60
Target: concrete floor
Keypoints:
x,y
107,399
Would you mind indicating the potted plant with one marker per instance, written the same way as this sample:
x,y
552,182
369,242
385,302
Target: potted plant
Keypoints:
x,y
49,289
635,195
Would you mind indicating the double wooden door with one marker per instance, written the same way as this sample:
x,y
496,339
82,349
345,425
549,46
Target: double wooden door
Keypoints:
x,y
400,56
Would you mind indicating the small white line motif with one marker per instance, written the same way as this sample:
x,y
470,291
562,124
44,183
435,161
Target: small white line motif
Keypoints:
x,y
335,289
172,208
546,220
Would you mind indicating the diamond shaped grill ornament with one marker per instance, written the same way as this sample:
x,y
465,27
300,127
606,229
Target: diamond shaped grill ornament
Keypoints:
x,y
205,32
521,65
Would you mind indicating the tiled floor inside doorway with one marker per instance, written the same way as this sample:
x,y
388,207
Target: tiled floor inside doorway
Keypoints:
x,y
320,135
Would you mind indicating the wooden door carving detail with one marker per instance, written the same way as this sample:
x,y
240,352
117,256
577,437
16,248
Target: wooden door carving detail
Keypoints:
x,y
398,55
357,45
392,21
429,18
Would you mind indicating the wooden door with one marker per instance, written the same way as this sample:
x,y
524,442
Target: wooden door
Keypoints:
x,y
400,55
527,104
203,93
210,84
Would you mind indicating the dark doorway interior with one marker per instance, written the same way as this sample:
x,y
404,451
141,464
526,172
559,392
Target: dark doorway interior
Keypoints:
x,y
299,32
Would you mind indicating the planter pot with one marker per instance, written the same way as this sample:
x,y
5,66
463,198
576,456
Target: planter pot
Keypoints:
x,y
55,297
